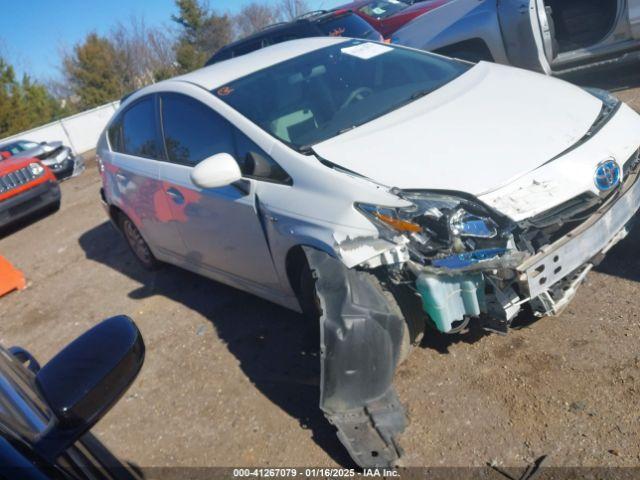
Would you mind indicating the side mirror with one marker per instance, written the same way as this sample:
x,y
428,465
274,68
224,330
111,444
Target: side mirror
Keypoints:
x,y
217,171
82,382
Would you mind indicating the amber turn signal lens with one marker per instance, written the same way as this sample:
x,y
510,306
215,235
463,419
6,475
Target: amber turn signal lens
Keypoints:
x,y
400,225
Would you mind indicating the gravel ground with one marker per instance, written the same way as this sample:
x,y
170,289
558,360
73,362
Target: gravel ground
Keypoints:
x,y
232,380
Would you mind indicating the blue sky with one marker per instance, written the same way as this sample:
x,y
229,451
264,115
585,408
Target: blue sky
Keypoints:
x,y
33,32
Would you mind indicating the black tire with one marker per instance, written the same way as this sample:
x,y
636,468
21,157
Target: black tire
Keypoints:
x,y
137,244
312,310
54,207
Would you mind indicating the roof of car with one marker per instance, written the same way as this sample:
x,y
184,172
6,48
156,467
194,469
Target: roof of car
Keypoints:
x,y
221,73
303,20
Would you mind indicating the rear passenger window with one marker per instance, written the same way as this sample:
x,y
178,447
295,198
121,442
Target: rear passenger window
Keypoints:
x,y
115,136
193,131
139,131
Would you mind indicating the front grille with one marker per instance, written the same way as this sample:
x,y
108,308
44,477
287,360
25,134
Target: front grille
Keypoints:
x,y
548,227
631,164
15,179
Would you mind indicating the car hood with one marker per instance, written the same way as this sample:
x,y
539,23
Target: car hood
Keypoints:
x,y
476,134
39,150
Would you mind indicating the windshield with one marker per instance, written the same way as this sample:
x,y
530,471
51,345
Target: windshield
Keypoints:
x,y
381,9
348,25
18,147
316,96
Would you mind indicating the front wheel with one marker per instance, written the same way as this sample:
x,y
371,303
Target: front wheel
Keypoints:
x,y
310,303
137,244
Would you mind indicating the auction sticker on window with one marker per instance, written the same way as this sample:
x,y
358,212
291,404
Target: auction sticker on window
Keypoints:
x,y
366,51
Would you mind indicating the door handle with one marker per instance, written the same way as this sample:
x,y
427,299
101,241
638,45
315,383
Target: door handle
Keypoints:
x,y
175,195
121,178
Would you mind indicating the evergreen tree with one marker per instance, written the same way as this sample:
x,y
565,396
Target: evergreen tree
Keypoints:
x,y
202,33
23,105
93,72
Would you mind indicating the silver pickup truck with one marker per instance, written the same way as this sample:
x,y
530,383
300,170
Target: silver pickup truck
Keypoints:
x,y
550,36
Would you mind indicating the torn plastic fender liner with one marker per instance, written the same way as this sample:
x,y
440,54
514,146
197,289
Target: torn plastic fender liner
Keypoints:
x,y
361,335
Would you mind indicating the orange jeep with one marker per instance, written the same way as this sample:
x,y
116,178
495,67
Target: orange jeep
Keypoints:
x,y
26,186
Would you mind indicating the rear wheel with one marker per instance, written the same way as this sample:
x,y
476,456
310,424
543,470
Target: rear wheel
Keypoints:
x,y
137,244
54,207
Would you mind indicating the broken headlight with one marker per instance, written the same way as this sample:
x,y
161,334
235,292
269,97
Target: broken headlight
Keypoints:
x,y
437,224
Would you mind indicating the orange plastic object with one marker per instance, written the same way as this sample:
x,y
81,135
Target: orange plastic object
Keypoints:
x,y
10,278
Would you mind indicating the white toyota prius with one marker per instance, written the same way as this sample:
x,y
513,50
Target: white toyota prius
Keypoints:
x,y
388,192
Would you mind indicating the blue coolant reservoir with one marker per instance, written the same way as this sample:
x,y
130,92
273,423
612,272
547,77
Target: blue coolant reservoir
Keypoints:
x,y
449,298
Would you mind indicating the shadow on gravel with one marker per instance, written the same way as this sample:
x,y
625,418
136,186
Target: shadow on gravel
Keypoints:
x,y
612,78
440,342
276,348
623,260
25,222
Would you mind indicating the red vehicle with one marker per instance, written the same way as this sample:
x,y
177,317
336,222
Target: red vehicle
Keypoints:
x,y
387,16
26,186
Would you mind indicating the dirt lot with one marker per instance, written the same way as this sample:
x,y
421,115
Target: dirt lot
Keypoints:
x,y
232,380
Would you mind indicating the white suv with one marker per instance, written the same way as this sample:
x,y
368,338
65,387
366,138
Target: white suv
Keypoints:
x,y
379,188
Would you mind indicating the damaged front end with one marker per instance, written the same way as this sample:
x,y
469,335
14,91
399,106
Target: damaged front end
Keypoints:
x,y
463,258
462,262
468,263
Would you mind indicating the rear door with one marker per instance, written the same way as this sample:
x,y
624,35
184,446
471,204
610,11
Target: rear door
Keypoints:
x,y
133,174
527,32
221,227
634,17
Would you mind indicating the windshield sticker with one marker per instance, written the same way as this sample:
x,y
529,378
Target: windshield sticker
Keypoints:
x,y
224,91
337,32
366,51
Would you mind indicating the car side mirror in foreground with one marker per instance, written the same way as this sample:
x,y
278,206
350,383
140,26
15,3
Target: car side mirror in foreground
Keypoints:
x,y
82,382
217,171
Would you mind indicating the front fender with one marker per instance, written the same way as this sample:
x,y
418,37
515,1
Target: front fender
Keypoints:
x,y
361,333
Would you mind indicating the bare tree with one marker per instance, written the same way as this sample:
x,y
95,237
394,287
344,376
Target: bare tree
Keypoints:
x,y
253,17
290,9
144,54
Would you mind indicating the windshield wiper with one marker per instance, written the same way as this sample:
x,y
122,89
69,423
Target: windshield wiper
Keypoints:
x,y
420,94
345,130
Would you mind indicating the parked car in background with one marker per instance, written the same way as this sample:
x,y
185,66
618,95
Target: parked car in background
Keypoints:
x,y
26,187
386,192
59,158
47,413
550,36
335,23
387,16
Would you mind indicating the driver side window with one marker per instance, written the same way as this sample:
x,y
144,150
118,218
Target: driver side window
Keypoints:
x,y
192,131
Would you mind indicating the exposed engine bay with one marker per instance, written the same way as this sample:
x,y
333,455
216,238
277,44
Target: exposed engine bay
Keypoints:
x,y
465,260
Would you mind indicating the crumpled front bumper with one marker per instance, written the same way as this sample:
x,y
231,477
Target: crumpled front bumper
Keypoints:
x,y
70,167
548,279
596,236
30,201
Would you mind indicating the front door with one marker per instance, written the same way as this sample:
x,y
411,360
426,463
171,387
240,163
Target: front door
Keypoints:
x,y
528,34
221,227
